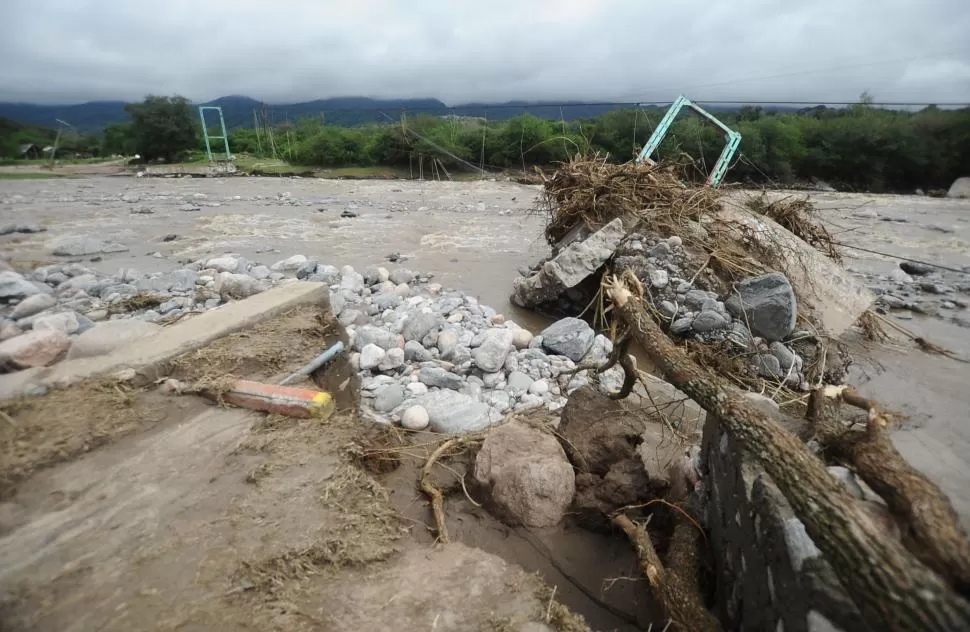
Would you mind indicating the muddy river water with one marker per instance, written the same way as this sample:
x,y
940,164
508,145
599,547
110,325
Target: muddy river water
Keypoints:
x,y
474,236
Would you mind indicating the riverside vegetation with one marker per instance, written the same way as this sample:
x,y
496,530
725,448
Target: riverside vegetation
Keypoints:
x,y
860,147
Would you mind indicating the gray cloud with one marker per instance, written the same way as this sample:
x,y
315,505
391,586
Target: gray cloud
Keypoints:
x,y
292,50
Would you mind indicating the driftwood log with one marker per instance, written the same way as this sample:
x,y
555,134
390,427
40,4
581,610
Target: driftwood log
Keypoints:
x,y
931,528
892,588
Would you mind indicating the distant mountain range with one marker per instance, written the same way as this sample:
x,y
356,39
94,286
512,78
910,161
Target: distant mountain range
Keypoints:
x,y
238,111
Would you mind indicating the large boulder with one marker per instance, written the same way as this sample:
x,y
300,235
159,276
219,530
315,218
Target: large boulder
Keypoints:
x,y
105,337
574,263
570,337
527,475
451,412
766,304
960,188
34,348
65,322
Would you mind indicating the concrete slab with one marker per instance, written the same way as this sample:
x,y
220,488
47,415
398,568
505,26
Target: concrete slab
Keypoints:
x,y
148,356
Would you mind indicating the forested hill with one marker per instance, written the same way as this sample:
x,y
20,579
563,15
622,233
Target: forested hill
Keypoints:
x,y
347,111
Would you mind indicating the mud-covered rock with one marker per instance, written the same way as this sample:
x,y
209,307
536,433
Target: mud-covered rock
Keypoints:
x,y
526,474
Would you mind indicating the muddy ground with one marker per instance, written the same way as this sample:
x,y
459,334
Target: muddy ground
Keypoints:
x,y
221,519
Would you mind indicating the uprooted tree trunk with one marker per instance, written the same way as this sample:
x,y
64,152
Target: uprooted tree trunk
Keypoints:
x,y
889,585
931,528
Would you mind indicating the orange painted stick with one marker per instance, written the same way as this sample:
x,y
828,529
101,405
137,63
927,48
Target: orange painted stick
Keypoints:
x,y
284,400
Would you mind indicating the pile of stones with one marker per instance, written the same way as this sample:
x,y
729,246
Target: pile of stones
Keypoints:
x,y
756,317
426,356
923,289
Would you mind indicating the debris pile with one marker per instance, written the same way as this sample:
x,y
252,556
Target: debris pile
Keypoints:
x,y
733,301
740,284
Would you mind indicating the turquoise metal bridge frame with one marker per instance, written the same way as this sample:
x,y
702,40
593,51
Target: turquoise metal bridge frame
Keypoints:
x,y
732,139
205,130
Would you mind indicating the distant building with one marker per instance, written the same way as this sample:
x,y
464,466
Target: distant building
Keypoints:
x,y
29,151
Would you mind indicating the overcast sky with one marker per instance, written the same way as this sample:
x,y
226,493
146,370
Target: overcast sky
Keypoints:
x,y
459,50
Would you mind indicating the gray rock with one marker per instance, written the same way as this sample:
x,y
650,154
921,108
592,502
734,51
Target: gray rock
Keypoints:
x,y
105,337
574,263
56,278
387,300
570,337
451,412
292,264
915,268
493,380
122,290
419,325
226,263
415,418
371,356
491,354
189,208
87,283
325,274
64,322
766,304
238,286
32,305
13,285
740,335
371,335
599,352
350,279
401,275
388,398
896,275
682,325
184,280
414,352
447,343
662,249
76,246
659,278
667,309
694,299
519,383
436,376
447,305
499,400
308,269
768,366
393,359
708,321
935,288
786,357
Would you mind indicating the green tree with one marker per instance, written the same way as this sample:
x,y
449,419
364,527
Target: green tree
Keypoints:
x,y
163,127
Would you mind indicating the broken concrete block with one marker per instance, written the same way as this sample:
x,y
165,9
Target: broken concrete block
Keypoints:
x,y
574,263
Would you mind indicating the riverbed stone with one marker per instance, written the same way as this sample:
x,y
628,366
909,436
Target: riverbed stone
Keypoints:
x,y
419,325
371,334
79,245
415,352
389,397
290,264
415,418
33,305
570,337
767,304
708,321
519,383
393,359
437,376
34,348
371,356
526,474
491,354
451,412
401,275
14,286
66,322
